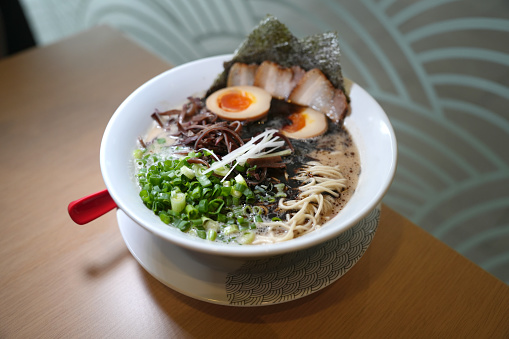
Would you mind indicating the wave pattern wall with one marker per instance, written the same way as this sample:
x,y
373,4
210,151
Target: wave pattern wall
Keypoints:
x,y
440,69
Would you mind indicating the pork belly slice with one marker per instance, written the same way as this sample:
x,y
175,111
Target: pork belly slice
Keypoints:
x,y
316,91
278,81
241,74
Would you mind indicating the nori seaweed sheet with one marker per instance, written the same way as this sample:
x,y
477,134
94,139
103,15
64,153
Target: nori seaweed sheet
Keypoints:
x,y
271,40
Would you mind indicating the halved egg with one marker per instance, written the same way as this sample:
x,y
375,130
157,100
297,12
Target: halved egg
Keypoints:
x,y
239,103
307,123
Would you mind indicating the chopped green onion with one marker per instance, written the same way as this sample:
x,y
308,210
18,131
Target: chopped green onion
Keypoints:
x,y
226,191
222,171
197,222
165,217
215,206
230,229
280,187
211,234
239,187
204,181
240,168
203,206
196,193
229,201
192,212
207,192
236,194
201,234
221,217
189,173
210,224
155,179
183,225
248,193
178,202
138,153
246,238
239,179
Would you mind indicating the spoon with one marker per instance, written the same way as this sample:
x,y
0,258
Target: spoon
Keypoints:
x,y
91,207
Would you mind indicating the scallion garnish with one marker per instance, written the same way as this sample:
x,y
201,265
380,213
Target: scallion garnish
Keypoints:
x,y
200,200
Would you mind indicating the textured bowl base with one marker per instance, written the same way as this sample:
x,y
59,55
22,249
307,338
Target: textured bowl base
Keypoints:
x,y
250,282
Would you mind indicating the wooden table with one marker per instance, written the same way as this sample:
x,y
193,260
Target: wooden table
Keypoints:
x,y
59,279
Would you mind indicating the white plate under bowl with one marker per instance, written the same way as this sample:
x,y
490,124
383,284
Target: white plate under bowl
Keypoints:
x,y
238,282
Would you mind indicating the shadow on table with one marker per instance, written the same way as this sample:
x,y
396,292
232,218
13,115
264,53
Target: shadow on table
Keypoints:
x,y
108,262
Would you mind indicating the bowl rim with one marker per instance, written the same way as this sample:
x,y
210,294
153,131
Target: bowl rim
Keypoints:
x,y
203,246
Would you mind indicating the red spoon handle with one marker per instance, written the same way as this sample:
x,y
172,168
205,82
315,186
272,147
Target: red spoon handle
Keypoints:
x,y
91,207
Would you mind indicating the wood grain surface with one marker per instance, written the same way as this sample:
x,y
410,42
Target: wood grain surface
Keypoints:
x,y
61,280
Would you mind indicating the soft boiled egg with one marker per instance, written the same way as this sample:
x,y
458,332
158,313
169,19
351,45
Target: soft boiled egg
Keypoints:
x,y
307,123
239,103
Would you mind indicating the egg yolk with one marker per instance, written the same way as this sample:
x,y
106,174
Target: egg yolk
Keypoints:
x,y
298,122
235,101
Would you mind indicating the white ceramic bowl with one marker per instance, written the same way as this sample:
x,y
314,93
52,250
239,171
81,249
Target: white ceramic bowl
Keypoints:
x,y
367,123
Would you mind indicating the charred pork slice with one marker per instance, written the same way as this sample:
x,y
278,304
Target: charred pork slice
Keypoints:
x,y
278,81
241,74
316,91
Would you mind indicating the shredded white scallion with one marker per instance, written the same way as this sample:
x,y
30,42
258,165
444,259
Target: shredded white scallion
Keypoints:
x,y
211,152
259,146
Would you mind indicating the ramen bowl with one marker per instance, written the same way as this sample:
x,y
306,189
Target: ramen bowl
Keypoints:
x,y
367,123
